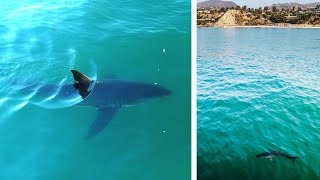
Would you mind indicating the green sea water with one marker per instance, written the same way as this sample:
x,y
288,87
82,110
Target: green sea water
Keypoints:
x,y
258,91
143,41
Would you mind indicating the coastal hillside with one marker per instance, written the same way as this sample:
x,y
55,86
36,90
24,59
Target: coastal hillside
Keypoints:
x,y
310,5
243,16
294,5
233,18
217,4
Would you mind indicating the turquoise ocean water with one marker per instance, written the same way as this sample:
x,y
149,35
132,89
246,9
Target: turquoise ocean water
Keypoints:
x,y
143,41
258,90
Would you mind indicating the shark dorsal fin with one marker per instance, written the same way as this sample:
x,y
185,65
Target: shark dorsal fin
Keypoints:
x,y
82,83
79,77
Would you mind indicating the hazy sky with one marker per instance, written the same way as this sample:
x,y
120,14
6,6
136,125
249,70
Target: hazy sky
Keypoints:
x,y
260,3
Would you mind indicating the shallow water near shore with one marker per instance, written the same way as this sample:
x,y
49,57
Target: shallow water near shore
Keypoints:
x,y
145,42
258,90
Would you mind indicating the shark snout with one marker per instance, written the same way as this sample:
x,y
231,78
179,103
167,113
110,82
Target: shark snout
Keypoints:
x,y
166,92
163,91
154,91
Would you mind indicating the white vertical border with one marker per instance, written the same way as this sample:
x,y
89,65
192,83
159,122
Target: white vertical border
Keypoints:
x,y
194,89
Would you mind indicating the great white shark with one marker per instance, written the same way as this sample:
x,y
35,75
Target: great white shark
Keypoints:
x,y
271,154
106,96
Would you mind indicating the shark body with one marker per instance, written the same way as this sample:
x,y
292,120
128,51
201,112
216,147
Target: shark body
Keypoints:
x,y
274,154
106,96
109,96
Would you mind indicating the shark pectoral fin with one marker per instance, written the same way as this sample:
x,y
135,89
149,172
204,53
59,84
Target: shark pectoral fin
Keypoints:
x,y
103,118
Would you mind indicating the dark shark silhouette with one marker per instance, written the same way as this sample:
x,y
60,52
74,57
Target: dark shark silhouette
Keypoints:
x,y
275,153
109,96
106,96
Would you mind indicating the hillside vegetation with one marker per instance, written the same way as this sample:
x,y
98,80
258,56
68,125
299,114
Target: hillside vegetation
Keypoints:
x,y
251,17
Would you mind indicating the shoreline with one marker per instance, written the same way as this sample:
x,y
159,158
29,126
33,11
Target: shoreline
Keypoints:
x,y
279,27
293,26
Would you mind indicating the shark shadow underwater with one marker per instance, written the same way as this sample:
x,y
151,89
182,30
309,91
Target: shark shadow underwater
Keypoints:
x,y
107,96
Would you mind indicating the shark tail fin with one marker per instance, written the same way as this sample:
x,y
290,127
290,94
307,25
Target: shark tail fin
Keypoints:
x,y
294,158
82,83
